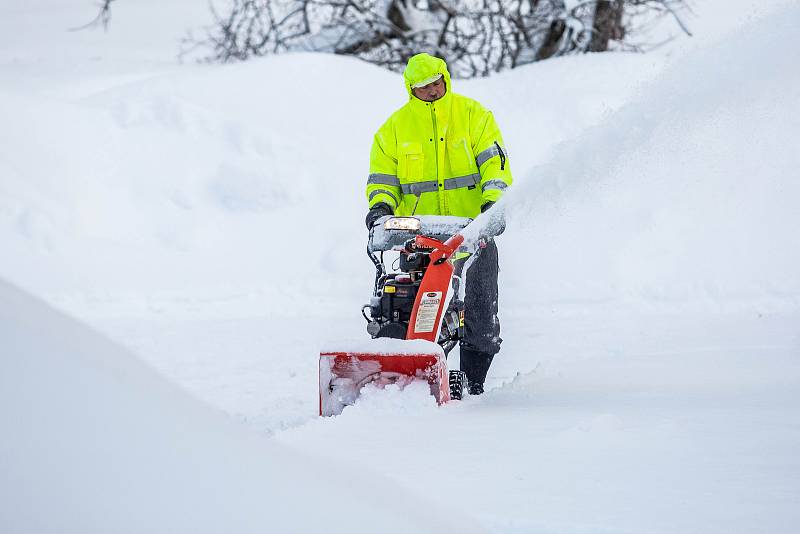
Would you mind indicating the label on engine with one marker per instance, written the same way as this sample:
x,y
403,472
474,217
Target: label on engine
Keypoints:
x,y
427,311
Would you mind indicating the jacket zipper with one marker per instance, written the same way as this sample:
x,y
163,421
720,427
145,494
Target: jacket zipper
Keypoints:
x,y
435,142
502,156
436,153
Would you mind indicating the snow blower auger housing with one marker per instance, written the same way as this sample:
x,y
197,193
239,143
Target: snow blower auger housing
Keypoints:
x,y
415,316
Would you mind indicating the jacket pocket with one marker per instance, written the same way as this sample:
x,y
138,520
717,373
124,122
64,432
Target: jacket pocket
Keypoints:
x,y
411,163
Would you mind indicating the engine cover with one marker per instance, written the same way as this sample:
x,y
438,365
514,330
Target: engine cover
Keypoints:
x,y
393,309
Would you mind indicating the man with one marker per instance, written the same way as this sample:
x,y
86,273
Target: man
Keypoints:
x,y
442,154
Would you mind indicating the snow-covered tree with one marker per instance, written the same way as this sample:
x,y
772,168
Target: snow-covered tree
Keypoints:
x,y
476,37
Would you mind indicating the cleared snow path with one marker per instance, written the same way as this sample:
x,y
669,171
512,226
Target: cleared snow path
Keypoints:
x,y
668,425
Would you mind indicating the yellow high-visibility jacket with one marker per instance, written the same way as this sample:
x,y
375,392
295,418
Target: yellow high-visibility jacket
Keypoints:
x,y
437,158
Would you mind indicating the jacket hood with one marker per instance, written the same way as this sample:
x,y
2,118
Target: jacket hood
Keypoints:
x,y
423,66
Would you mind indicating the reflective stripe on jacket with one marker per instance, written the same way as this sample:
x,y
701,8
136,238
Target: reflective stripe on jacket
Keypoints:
x,y
437,158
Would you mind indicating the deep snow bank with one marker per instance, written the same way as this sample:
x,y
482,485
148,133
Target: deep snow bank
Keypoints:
x,y
94,441
688,194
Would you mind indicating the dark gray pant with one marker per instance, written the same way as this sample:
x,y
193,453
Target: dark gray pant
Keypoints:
x,y
482,328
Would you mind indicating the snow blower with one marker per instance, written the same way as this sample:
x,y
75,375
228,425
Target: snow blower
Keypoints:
x,y
415,316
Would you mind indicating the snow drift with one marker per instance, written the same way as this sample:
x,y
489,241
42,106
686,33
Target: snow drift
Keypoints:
x,y
687,195
94,441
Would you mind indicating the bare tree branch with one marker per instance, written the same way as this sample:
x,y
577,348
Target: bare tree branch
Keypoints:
x,y
103,17
476,37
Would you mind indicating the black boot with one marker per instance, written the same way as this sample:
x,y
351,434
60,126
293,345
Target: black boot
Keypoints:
x,y
475,365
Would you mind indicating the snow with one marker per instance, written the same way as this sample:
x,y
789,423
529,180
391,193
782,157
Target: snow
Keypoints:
x,y
209,219
95,441
382,346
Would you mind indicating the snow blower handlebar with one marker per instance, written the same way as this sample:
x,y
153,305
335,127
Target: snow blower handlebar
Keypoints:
x,y
441,251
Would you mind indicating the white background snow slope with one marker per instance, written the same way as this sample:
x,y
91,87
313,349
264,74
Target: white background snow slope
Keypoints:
x,y
210,220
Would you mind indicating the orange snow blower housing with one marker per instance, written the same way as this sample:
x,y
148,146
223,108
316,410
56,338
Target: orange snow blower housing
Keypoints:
x,y
415,315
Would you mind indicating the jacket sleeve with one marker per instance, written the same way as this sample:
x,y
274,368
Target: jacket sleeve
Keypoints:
x,y
490,155
382,183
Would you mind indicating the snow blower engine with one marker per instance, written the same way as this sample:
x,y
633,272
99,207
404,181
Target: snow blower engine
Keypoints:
x,y
394,295
415,316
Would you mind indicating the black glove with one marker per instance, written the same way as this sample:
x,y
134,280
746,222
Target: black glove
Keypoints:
x,y
378,210
497,220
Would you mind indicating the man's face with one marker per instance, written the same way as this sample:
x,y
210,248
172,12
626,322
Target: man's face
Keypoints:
x,y
432,91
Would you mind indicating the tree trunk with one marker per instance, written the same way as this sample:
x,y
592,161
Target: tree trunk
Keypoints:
x,y
552,42
607,24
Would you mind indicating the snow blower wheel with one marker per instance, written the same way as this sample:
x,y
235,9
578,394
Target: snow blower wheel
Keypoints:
x,y
458,381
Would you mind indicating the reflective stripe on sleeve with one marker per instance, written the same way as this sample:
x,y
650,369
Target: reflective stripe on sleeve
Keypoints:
x,y
494,184
383,179
486,155
377,192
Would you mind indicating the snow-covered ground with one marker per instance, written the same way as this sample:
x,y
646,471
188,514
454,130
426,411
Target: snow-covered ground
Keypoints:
x,y
210,220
